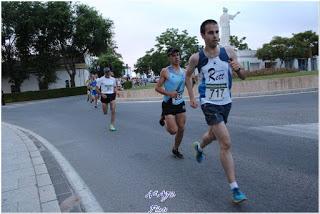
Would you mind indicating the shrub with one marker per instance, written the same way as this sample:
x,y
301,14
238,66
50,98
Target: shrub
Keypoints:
x,y
127,85
44,94
269,71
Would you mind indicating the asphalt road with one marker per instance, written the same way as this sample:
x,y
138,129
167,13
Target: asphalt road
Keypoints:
x,y
274,144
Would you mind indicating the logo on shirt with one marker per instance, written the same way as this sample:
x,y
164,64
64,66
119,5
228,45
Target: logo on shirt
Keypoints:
x,y
214,75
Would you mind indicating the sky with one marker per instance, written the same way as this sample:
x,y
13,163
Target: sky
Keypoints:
x,y
137,23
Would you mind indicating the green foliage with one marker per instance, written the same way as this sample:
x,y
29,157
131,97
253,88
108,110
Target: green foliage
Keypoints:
x,y
266,53
156,58
307,42
35,35
301,45
113,61
185,43
238,44
127,85
269,71
44,94
152,61
13,28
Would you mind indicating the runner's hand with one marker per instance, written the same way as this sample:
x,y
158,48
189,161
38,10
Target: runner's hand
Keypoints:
x,y
193,103
173,94
234,65
104,96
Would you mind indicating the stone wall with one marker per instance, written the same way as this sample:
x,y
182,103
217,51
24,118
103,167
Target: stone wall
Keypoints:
x,y
241,87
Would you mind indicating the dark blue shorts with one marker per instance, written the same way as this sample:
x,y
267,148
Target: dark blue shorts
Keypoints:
x,y
215,114
94,93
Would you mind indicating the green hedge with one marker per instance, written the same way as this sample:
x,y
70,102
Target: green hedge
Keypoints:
x,y
44,94
268,71
127,85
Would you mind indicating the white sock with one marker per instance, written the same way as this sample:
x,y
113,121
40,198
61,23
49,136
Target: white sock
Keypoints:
x,y
233,185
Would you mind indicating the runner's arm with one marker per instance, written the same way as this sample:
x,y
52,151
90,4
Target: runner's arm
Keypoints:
x,y
193,61
235,65
115,86
159,84
98,89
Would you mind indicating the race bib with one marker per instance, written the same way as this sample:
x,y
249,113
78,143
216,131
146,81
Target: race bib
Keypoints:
x,y
216,92
109,88
177,99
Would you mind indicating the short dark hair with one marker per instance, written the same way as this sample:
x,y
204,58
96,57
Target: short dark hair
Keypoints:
x,y
172,50
106,69
203,25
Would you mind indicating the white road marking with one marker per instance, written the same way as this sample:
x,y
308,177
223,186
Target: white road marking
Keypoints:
x,y
307,130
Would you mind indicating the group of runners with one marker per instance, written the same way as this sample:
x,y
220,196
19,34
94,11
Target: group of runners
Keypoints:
x,y
105,89
215,65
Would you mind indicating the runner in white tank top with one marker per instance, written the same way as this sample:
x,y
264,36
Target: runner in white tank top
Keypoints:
x,y
215,65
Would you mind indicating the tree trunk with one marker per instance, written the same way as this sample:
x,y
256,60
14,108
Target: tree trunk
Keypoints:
x,y
72,79
17,86
70,67
43,85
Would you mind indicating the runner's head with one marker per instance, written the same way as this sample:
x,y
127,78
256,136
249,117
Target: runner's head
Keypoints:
x,y
209,30
174,56
107,72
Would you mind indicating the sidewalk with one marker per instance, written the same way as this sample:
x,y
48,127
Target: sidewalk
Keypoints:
x,y
26,184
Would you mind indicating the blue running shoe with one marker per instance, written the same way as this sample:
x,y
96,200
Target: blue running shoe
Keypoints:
x,y
238,196
199,154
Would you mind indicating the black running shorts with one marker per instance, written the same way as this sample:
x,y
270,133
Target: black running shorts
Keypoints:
x,y
169,108
215,114
109,98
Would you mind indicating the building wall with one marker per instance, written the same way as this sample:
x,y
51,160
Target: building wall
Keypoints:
x,y
250,62
31,84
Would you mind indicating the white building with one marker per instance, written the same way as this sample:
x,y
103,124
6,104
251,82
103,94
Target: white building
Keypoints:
x,y
250,62
31,84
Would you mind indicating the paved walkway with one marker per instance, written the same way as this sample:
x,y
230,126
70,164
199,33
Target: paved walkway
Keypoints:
x,y
26,184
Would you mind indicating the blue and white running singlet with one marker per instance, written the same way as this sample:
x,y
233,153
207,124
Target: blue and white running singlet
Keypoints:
x,y
215,75
175,82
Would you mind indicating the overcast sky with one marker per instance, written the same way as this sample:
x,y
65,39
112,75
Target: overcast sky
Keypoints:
x,y
137,23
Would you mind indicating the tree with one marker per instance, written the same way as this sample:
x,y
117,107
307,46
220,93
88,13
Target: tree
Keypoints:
x,y
156,58
14,30
153,60
307,42
113,61
238,44
143,64
35,35
172,38
301,45
89,32
45,55
280,48
266,53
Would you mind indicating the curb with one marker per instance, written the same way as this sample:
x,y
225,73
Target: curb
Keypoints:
x,y
239,95
88,201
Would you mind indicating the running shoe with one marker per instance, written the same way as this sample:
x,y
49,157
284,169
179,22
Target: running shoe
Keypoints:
x,y
238,196
199,154
112,128
177,154
161,121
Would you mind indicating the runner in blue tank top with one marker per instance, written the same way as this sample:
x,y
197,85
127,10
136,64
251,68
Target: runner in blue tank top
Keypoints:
x,y
173,105
215,65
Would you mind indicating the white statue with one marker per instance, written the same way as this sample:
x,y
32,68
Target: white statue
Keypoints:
x,y
225,27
